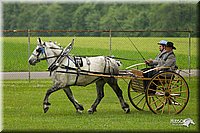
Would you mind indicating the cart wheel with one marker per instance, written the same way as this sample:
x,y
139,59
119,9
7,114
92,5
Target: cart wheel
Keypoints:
x,y
136,95
167,92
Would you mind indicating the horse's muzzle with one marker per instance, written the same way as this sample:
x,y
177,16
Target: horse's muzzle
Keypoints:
x,y
32,61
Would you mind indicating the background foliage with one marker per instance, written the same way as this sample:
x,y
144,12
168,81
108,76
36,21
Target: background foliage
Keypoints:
x,y
99,16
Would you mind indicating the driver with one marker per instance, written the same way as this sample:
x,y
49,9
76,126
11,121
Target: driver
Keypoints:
x,y
162,50
166,58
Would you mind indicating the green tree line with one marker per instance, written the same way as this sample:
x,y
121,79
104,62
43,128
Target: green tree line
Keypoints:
x,y
100,16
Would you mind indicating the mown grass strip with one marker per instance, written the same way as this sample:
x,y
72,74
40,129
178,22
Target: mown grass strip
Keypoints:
x,y
22,110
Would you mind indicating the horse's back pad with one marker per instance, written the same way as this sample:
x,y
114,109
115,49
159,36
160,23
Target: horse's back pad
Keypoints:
x,y
78,61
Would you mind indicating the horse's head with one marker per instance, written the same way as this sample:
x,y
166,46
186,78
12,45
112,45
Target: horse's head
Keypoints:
x,y
45,49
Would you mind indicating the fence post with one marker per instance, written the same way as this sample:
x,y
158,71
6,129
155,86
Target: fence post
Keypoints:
x,y
110,42
29,68
189,54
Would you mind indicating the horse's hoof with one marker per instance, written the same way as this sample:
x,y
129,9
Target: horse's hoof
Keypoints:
x,y
79,111
126,110
91,111
46,107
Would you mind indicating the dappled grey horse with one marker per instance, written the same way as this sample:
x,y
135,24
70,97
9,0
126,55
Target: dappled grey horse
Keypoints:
x,y
69,71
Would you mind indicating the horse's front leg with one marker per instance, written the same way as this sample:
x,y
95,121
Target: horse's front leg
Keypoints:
x,y
46,103
68,92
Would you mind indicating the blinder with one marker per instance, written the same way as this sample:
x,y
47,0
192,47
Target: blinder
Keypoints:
x,y
40,50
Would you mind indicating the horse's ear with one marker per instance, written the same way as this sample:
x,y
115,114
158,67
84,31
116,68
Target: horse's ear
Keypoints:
x,y
68,48
39,41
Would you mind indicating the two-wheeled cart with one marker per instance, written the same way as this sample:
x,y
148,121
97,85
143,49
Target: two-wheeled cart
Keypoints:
x,y
166,92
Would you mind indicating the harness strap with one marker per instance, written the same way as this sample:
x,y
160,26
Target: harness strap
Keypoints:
x,y
53,66
88,63
77,75
105,64
60,58
82,71
44,58
66,67
110,68
78,63
108,61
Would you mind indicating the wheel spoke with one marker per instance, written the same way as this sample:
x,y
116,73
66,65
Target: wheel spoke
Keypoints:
x,y
161,82
144,105
155,84
182,98
170,82
163,108
168,109
174,89
175,82
140,100
179,92
158,99
174,107
138,96
150,89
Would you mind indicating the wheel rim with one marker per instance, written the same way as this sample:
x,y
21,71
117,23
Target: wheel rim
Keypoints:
x,y
137,95
167,92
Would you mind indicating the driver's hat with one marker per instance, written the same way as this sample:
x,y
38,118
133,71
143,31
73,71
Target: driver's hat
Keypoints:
x,y
162,42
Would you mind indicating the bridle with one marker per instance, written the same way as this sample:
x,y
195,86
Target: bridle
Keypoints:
x,y
41,50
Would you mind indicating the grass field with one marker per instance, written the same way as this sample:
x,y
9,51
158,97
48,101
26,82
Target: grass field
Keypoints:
x,y
22,110
15,50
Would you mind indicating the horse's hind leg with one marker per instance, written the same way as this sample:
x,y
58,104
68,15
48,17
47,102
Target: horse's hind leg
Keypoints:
x,y
79,107
100,94
46,103
113,83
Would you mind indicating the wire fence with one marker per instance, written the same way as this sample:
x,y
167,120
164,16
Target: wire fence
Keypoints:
x,y
18,45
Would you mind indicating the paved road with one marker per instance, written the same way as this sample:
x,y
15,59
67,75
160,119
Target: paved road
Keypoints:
x,y
25,75
45,75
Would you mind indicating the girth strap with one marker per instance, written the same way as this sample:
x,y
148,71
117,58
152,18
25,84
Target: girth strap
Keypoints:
x,y
88,63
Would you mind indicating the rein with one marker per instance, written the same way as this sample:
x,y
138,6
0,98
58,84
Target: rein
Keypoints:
x,y
114,57
45,58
